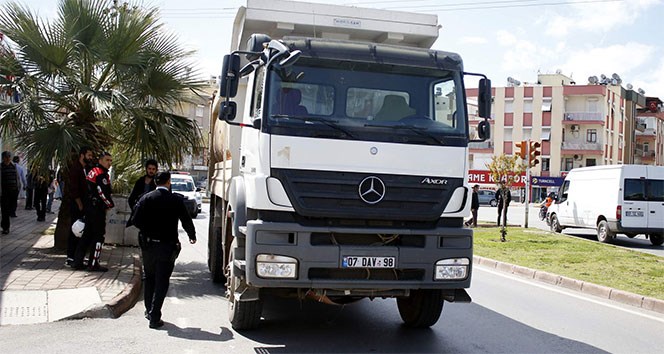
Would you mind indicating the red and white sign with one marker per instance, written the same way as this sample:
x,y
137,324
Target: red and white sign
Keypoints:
x,y
484,177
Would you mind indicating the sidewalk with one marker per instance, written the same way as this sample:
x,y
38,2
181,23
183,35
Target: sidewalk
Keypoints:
x,y
37,287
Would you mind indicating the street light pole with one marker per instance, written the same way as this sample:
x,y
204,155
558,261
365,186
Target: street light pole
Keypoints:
x,y
525,223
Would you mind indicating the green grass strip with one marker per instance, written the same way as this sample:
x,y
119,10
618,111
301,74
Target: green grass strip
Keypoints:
x,y
573,257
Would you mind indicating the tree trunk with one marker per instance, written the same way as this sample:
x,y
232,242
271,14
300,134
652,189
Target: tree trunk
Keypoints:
x,y
63,228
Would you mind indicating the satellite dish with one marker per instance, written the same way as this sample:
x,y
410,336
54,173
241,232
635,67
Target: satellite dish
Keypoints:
x,y
592,80
558,71
615,76
640,90
517,82
614,82
510,79
603,77
629,86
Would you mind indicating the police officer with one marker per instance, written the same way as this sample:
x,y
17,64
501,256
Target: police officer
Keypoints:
x,y
156,215
98,203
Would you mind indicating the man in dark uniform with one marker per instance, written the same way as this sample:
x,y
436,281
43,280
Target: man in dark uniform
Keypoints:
x,y
144,184
9,189
78,191
99,201
156,215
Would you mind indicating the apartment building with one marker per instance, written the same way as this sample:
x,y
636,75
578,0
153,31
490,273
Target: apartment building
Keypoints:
x,y
649,134
576,125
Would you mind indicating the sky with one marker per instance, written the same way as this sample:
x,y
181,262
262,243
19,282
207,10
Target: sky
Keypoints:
x,y
500,38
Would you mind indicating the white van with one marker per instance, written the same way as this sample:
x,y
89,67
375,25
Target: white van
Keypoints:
x,y
612,199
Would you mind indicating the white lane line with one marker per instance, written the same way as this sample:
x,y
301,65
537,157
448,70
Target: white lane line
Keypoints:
x,y
586,298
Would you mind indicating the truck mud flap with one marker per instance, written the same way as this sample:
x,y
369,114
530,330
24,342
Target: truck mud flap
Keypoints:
x,y
456,295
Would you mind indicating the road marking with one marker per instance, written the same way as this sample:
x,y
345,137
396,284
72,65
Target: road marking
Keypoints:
x,y
560,291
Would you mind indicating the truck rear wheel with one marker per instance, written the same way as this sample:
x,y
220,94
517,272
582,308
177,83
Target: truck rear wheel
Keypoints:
x,y
422,308
215,247
604,234
656,239
242,315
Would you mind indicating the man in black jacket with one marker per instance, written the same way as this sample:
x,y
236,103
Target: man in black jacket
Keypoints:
x,y
156,215
474,206
144,184
98,203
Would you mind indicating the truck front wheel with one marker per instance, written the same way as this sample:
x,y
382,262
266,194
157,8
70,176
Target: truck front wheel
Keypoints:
x,y
242,314
555,224
422,308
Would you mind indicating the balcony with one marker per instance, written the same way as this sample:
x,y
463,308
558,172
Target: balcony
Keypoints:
x,y
583,117
640,126
646,132
485,145
579,148
638,149
648,155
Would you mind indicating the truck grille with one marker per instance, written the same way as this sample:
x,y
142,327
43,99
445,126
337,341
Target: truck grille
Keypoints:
x,y
336,194
365,274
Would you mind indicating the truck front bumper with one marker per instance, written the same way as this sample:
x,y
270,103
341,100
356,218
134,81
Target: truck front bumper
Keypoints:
x,y
320,254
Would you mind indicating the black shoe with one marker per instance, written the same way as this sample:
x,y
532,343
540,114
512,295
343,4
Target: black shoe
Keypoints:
x,y
98,268
156,324
4,232
147,315
78,266
69,262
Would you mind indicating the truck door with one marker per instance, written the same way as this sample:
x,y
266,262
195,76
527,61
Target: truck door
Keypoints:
x,y
563,205
655,197
634,207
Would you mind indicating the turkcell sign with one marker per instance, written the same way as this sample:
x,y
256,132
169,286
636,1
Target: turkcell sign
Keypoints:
x,y
546,181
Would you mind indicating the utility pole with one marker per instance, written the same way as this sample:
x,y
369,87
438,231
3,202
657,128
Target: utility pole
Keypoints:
x,y
532,152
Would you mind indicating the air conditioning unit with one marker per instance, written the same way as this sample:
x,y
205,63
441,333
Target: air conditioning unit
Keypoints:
x,y
578,157
574,128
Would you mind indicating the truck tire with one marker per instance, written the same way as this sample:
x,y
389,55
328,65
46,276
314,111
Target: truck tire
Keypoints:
x,y
604,234
656,239
422,308
555,224
242,315
217,258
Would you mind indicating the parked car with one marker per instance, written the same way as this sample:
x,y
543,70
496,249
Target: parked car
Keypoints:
x,y
184,184
487,197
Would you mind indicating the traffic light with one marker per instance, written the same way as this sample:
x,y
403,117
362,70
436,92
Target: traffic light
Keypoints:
x,y
534,152
521,147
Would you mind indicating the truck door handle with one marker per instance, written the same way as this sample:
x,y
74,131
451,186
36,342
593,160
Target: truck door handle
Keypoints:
x,y
243,160
652,212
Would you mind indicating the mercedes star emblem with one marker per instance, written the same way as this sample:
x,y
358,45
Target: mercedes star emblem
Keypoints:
x,y
372,190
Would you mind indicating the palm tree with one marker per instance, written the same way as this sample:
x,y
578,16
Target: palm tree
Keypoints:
x,y
98,74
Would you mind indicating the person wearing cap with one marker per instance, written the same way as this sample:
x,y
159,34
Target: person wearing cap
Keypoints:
x,y
156,215
474,206
98,203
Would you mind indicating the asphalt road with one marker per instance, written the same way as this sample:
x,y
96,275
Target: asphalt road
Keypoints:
x,y
508,314
516,216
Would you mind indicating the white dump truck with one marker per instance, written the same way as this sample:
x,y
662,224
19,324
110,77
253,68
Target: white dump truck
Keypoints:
x,y
339,160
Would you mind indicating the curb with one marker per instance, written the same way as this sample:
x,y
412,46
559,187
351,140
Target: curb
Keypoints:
x,y
623,297
120,304
128,297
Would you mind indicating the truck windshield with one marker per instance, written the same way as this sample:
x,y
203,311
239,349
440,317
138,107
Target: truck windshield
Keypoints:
x,y
373,103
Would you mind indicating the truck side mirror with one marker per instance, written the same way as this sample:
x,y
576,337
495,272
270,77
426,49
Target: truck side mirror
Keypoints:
x,y
230,76
484,98
228,111
484,130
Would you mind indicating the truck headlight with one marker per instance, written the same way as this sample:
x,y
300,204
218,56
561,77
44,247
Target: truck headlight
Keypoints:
x,y
452,269
271,266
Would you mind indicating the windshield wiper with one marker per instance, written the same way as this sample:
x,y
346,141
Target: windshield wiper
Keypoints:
x,y
330,123
418,130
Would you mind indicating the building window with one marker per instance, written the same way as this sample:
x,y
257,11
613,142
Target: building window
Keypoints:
x,y
200,109
591,162
546,105
508,134
591,135
527,133
646,147
546,163
509,106
568,164
528,106
546,134
593,105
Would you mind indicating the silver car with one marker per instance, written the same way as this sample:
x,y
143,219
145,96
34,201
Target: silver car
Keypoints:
x,y
487,197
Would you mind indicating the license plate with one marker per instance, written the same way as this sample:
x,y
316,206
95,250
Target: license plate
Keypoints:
x,y
634,213
368,262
